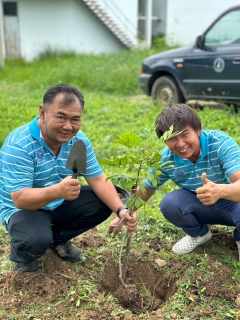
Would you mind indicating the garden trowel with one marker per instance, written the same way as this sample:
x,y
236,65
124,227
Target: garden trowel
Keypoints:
x,y
77,159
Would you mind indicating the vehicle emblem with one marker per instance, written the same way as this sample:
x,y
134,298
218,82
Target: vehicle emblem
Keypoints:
x,y
218,65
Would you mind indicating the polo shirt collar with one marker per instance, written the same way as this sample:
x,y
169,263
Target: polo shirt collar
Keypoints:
x,y
37,134
34,128
204,144
203,149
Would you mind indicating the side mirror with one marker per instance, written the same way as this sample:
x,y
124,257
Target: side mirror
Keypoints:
x,y
200,42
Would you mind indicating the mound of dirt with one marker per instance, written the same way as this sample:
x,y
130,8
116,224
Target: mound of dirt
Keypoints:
x,y
146,287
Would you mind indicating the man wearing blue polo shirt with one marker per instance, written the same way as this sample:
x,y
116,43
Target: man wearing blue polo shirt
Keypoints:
x,y
206,168
41,205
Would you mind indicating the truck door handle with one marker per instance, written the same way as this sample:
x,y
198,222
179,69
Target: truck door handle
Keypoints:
x,y
236,60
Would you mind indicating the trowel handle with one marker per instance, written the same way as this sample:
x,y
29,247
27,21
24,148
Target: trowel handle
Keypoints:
x,y
74,175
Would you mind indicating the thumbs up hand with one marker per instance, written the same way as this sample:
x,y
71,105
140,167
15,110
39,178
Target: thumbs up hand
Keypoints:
x,y
208,194
204,178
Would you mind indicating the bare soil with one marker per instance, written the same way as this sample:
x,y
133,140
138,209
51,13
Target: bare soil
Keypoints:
x,y
149,285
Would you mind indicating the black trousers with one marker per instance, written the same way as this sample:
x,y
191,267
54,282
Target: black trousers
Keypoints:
x,y
33,231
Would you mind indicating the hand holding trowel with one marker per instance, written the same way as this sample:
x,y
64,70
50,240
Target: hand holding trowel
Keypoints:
x,y
77,161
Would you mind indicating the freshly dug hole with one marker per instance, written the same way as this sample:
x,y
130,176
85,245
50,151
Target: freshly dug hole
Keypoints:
x,y
147,289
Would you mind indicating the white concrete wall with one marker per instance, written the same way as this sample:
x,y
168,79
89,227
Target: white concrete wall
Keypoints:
x,y
63,25
159,9
186,19
152,23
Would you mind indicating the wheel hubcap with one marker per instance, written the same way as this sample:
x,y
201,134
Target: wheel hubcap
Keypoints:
x,y
165,96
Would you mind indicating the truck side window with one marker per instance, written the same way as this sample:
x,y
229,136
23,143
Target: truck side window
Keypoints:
x,y
225,31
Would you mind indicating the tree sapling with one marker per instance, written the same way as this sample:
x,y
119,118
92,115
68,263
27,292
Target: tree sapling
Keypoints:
x,y
141,154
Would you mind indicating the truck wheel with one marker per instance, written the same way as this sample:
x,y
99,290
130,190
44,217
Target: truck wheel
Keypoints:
x,y
165,92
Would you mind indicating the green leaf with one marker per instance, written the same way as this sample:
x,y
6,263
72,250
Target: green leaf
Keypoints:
x,y
129,139
129,184
158,172
203,289
157,157
72,292
59,302
153,159
146,132
140,185
131,201
149,176
153,178
155,181
139,202
134,160
190,298
118,162
123,161
169,134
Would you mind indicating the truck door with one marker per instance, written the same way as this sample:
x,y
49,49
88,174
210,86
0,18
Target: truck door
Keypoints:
x,y
214,72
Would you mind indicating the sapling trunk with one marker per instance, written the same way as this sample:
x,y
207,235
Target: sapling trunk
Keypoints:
x,y
128,236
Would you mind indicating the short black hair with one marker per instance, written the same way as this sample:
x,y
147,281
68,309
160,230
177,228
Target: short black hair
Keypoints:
x,y
70,94
179,116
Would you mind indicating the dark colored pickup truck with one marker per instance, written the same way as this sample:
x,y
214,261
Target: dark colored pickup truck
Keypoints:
x,y
209,70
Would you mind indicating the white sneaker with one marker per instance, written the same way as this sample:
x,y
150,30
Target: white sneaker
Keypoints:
x,y
188,243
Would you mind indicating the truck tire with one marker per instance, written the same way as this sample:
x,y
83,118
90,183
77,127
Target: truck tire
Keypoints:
x,y
165,92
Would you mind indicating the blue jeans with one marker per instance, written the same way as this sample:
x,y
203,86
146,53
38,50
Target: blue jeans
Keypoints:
x,y
183,209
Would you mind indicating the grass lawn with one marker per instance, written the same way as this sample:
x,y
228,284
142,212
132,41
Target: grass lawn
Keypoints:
x,y
201,285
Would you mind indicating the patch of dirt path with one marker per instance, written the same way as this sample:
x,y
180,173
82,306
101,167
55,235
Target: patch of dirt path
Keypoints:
x,y
149,286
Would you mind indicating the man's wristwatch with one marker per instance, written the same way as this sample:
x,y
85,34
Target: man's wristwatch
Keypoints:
x,y
120,209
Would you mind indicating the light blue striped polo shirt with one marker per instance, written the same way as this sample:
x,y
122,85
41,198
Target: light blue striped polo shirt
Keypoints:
x,y
219,158
26,161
